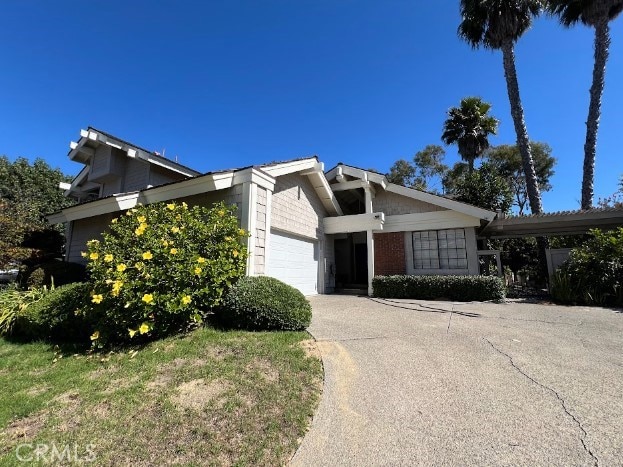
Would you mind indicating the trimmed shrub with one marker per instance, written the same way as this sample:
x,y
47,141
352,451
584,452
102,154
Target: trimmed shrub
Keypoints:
x,y
265,303
458,288
160,268
55,272
593,274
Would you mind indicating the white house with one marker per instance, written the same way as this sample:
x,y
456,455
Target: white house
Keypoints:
x,y
315,230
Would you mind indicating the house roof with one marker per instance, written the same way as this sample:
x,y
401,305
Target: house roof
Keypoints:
x,y
437,200
555,223
263,175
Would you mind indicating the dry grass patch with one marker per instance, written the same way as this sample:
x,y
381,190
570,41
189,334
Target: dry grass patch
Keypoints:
x,y
210,398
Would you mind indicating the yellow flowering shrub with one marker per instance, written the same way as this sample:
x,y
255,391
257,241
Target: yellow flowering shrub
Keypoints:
x,y
161,267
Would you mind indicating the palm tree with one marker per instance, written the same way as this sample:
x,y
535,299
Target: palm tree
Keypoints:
x,y
498,24
597,14
469,126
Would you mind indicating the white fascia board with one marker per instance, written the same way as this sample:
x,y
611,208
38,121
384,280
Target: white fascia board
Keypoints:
x,y
356,223
437,220
95,208
352,185
290,167
163,163
259,177
324,192
82,175
365,175
442,202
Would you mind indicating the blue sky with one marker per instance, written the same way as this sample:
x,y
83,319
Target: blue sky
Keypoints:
x,y
231,83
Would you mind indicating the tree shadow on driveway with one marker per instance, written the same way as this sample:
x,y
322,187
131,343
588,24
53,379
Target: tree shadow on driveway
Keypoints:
x,y
421,307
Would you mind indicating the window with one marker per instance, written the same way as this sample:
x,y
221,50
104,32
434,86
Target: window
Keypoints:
x,y
440,249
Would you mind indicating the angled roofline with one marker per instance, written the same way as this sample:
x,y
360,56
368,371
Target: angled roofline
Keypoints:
x,y
132,150
442,201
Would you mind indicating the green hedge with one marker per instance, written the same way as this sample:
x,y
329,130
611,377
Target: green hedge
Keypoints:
x,y
56,316
261,302
458,288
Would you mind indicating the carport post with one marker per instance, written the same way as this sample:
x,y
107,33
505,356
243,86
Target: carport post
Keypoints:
x,y
370,244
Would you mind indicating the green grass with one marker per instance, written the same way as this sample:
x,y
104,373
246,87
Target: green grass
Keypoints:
x,y
207,398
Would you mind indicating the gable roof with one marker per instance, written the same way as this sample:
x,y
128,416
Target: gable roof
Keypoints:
x,y
437,200
90,138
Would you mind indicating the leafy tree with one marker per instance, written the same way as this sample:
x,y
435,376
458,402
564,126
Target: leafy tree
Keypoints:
x,y
453,176
27,193
429,165
484,188
33,186
507,161
469,126
498,24
402,173
419,174
596,14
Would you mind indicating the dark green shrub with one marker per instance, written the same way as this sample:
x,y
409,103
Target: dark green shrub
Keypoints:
x,y
53,272
57,315
262,302
160,267
458,288
16,317
593,274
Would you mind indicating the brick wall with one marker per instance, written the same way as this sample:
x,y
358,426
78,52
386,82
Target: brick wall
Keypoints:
x,y
389,253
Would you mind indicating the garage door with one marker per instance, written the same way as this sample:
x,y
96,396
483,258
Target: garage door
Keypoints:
x,y
294,261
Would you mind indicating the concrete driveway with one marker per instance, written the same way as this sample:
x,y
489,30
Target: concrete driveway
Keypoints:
x,y
408,382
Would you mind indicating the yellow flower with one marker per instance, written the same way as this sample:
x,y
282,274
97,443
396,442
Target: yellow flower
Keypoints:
x,y
171,206
121,267
128,213
184,205
94,256
141,219
138,231
108,258
93,242
186,299
147,255
201,260
97,298
198,270
132,332
221,212
228,239
95,336
143,328
148,298
178,217
242,232
235,253
84,254
165,243
173,251
175,229
116,288
114,221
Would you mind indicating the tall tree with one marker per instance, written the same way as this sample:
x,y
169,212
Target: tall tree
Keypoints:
x,y
596,14
469,127
498,24
422,171
507,161
484,188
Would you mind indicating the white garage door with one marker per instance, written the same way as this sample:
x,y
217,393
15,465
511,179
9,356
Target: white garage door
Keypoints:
x,y
294,261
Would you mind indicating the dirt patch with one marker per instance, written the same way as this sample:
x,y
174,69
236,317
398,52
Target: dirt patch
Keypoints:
x,y
266,370
37,390
120,383
198,393
38,372
68,398
102,372
25,428
160,381
310,348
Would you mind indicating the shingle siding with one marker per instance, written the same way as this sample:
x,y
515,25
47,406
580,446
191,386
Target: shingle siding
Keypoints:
x,y
394,204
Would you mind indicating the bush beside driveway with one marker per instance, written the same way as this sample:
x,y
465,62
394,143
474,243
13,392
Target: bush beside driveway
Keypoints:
x,y
431,383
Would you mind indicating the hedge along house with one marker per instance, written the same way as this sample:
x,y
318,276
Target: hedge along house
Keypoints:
x,y
316,231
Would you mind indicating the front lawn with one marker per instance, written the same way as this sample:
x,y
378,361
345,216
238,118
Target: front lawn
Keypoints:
x,y
207,398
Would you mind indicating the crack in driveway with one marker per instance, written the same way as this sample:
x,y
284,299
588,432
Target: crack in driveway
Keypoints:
x,y
584,434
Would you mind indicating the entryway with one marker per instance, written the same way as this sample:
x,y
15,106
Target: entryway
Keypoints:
x,y
351,263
